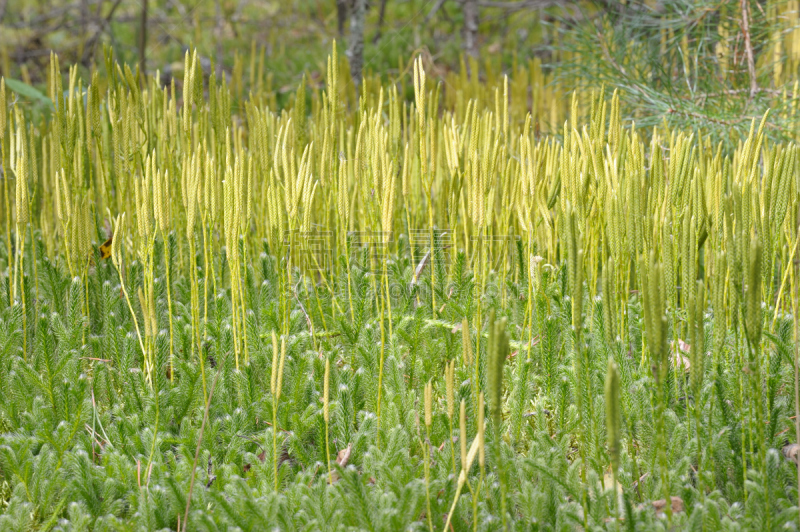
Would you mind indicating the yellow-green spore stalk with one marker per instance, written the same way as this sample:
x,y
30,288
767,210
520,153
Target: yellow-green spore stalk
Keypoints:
x,y
697,364
426,450
613,417
161,210
498,352
190,186
22,217
326,414
449,383
117,259
753,323
276,386
656,328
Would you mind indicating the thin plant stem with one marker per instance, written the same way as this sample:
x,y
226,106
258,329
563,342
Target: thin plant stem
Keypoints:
x,y
197,450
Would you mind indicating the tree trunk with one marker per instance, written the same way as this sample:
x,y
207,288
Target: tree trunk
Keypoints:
x,y
341,16
143,43
471,27
356,51
381,16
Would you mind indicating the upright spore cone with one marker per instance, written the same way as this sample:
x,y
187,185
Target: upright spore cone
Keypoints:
x,y
753,320
498,352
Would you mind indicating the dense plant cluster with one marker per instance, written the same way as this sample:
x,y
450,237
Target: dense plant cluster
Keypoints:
x,y
704,64
390,312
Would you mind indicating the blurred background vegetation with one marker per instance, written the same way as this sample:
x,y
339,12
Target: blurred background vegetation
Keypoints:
x,y
708,65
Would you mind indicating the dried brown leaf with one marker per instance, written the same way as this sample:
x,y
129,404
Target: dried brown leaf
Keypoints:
x,y
661,504
792,452
344,455
681,362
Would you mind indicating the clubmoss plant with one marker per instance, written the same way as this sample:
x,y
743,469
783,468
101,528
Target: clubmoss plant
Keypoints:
x,y
423,244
